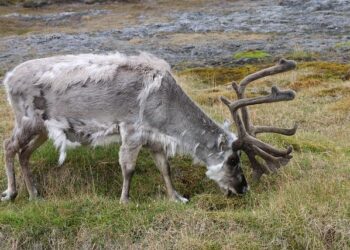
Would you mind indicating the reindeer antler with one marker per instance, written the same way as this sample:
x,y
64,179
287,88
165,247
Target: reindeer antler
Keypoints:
x,y
274,158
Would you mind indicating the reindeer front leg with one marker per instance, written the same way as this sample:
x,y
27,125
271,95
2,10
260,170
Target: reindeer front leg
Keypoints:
x,y
127,160
162,164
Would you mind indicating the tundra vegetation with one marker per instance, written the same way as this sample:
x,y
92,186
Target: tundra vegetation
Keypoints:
x,y
304,205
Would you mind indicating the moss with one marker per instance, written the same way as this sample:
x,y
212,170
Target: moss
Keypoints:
x,y
320,71
251,54
212,202
305,144
221,75
343,45
326,70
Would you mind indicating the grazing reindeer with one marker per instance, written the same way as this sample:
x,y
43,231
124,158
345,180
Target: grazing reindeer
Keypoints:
x,y
99,99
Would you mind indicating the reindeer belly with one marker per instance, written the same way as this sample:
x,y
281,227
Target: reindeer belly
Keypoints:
x,y
69,133
92,132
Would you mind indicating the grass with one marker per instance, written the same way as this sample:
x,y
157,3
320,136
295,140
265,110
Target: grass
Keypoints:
x,y
218,75
299,54
13,27
343,45
306,205
251,54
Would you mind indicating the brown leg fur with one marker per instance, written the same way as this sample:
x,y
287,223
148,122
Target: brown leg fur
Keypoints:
x,y
127,161
10,151
163,165
24,157
26,137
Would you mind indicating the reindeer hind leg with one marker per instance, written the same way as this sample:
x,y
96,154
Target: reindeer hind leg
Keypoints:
x,y
24,140
10,150
24,156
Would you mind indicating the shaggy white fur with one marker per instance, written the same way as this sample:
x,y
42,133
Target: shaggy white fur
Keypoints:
x,y
152,83
65,71
216,172
56,133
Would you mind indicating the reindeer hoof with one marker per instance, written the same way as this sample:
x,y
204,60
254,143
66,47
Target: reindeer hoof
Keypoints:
x,y
34,196
178,198
8,195
124,201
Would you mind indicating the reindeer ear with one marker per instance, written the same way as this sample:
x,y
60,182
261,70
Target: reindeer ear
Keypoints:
x,y
227,124
222,142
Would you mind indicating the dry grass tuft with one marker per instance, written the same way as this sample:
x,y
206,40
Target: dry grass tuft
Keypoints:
x,y
305,82
185,39
13,27
341,105
334,92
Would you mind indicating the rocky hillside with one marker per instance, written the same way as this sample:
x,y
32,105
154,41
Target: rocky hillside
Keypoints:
x,y
196,33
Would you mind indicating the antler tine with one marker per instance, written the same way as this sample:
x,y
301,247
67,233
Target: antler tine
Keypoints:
x,y
282,66
268,148
268,129
237,119
258,168
274,162
276,95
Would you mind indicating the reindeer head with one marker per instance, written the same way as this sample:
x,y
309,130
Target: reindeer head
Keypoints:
x,y
231,178
229,175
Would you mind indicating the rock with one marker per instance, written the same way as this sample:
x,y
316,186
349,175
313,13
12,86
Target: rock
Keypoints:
x,y
95,1
35,3
56,18
266,25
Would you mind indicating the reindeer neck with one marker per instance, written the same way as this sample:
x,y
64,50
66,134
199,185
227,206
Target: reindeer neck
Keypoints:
x,y
178,117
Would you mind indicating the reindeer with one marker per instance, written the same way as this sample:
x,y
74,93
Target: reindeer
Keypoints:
x,y
94,100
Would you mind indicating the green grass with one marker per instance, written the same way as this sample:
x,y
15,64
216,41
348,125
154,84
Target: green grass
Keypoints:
x,y
219,75
306,205
343,45
302,55
251,54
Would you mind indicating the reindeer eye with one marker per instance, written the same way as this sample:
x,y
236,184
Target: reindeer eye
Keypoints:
x,y
233,160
